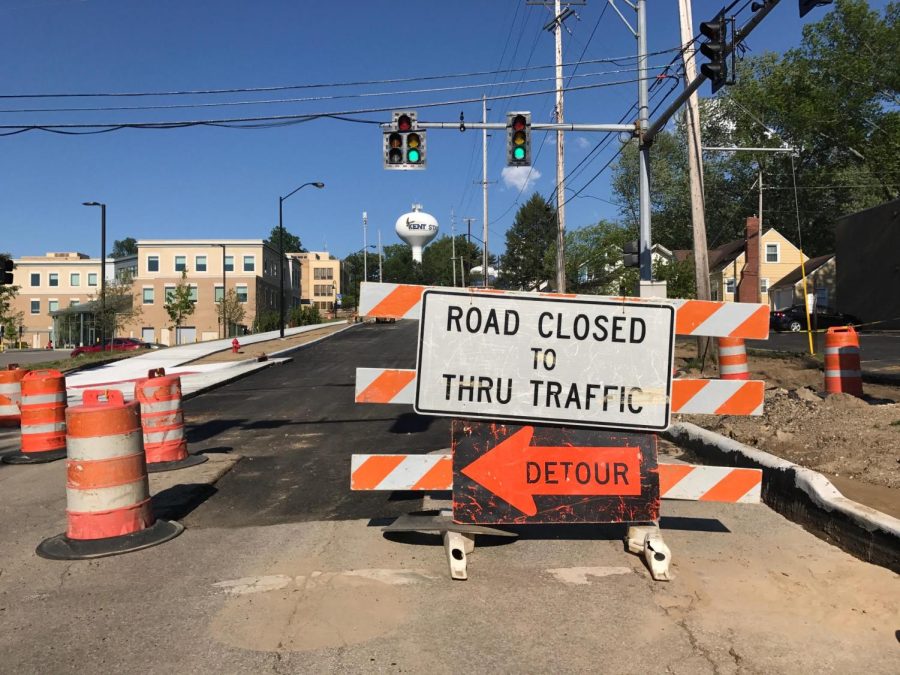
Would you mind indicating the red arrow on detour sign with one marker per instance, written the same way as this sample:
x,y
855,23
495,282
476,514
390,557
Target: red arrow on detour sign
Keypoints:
x,y
516,471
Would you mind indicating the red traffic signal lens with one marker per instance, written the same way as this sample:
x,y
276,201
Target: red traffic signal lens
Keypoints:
x,y
404,123
518,123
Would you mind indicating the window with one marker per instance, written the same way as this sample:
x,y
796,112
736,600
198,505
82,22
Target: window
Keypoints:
x,y
729,286
54,279
242,293
148,296
180,263
52,305
772,253
153,263
170,291
75,279
35,278
249,263
322,290
229,263
763,285
74,303
193,290
200,263
715,294
92,279
35,306
323,273
219,293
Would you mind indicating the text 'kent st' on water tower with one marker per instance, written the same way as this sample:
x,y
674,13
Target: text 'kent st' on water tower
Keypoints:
x,y
417,228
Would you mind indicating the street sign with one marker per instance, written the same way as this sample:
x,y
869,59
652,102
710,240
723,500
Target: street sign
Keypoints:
x,y
569,360
543,474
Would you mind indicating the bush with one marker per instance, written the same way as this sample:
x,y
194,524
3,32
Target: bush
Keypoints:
x,y
305,315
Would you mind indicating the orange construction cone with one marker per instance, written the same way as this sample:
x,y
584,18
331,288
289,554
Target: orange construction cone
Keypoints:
x,y
43,409
11,395
107,493
163,422
842,369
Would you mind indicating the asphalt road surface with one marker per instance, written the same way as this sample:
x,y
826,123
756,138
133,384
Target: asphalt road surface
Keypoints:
x,y
282,569
878,351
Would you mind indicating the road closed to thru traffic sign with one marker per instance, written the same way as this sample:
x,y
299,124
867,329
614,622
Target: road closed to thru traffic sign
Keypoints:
x,y
522,357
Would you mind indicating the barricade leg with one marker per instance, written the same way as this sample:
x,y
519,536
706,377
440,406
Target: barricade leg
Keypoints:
x,y
647,540
457,544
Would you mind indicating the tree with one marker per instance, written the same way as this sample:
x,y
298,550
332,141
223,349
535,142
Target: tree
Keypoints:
x,y
305,315
121,309
7,293
437,268
594,260
266,320
291,241
124,247
231,312
532,233
679,278
179,304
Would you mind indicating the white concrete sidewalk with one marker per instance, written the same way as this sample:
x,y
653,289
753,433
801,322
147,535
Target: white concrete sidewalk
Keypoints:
x,y
123,374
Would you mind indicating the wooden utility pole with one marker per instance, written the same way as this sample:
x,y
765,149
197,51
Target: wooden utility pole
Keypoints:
x,y
695,168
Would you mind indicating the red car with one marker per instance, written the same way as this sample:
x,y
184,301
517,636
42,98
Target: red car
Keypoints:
x,y
114,345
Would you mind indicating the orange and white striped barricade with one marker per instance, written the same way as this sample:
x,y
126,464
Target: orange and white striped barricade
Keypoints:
x,y
43,409
107,493
733,359
843,372
11,395
477,352
162,420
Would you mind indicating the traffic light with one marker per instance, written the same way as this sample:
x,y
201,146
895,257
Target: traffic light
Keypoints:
x,y
404,142
7,272
807,5
518,139
716,32
631,256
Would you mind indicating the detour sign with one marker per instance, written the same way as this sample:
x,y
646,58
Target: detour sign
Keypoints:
x,y
540,474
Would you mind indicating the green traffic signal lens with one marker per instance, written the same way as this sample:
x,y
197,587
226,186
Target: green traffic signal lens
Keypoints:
x,y
413,156
519,153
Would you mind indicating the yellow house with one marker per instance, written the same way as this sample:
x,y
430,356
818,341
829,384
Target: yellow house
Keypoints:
x,y
778,258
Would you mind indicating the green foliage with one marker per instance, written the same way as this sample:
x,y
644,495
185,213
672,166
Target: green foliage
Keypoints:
x,y
178,304
121,309
532,234
291,241
594,260
266,321
124,247
7,293
230,310
679,278
437,268
305,315
834,98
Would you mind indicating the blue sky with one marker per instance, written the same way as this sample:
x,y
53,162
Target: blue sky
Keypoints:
x,y
207,182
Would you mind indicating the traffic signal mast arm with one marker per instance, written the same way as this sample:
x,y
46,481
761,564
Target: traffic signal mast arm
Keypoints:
x,y
614,128
739,36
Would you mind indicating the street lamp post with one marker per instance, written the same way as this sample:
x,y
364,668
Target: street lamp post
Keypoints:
x,y
222,306
281,201
102,267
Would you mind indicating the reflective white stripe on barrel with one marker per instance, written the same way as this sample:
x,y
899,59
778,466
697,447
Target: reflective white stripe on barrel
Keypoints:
x,y
40,399
107,498
164,436
101,447
43,428
160,406
843,373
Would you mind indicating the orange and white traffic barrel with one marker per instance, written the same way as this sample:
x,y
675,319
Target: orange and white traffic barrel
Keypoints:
x,y
107,493
43,410
162,420
733,359
11,395
842,368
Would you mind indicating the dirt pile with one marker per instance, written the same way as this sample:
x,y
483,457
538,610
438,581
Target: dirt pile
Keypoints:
x,y
837,434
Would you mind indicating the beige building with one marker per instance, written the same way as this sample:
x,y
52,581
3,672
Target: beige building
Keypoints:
x,y
320,279
249,266
53,282
778,258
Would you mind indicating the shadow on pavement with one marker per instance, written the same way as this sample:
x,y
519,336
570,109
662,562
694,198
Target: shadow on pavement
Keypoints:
x,y
178,501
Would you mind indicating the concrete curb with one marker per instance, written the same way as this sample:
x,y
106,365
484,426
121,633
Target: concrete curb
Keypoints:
x,y
288,350
803,496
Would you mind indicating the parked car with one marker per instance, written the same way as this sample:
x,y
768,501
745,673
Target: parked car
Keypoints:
x,y
794,318
114,345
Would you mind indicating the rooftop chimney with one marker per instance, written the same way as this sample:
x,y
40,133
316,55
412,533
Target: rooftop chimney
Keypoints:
x,y
748,290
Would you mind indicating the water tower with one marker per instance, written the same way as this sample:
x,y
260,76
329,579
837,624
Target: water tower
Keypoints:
x,y
416,228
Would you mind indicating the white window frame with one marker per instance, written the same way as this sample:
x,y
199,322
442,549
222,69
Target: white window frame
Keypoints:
x,y
195,292
227,263
31,302
777,253
155,258
244,259
74,279
92,274
50,276
764,285
184,259
31,283
241,289
197,259
733,285
144,295
168,292
50,302
218,293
